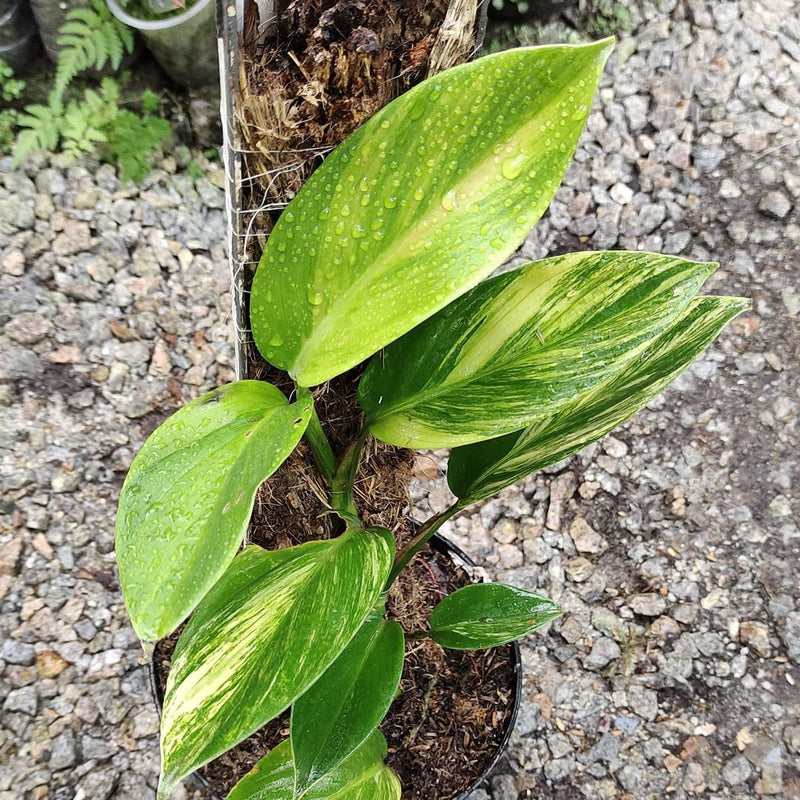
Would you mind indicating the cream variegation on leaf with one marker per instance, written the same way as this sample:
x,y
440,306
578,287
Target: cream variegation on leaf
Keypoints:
x,y
269,628
362,776
522,345
481,470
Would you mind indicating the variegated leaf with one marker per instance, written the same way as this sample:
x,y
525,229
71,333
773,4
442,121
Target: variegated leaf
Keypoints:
x,y
363,776
523,344
188,496
488,615
267,630
334,717
419,204
481,470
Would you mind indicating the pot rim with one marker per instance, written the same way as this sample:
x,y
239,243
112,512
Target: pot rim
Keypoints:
x,y
444,546
153,24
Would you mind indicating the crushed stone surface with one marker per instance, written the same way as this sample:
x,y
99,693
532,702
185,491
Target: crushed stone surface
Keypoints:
x,y
672,544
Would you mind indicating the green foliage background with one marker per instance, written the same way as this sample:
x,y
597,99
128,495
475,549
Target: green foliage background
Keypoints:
x,y
93,120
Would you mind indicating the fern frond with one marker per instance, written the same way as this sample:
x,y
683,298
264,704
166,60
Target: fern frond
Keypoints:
x,y
127,36
110,91
27,143
84,16
150,101
132,142
41,130
114,51
89,39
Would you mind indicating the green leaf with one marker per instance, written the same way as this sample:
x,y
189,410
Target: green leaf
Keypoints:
x,y
150,101
521,345
363,776
267,630
481,470
348,702
488,615
186,502
418,205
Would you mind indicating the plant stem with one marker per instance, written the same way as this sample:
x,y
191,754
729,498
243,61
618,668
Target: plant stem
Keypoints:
x,y
320,447
342,500
426,530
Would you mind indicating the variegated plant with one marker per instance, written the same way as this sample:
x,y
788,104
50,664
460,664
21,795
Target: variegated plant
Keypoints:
x,y
388,248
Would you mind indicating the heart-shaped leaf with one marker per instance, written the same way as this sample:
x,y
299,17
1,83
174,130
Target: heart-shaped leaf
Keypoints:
x,y
488,615
363,776
188,496
521,345
335,716
419,204
267,630
481,470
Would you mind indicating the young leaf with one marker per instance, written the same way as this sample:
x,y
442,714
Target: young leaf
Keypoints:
x,y
187,499
363,776
274,622
523,344
418,205
487,615
339,711
481,470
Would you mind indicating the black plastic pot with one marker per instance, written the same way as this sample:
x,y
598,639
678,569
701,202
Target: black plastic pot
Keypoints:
x,y
185,45
19,39
459,558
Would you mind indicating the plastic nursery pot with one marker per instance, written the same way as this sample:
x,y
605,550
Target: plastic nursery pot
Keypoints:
x,y
460,559
19,39
185,45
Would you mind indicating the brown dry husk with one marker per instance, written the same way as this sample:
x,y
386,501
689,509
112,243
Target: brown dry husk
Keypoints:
x,y
326,68
307,79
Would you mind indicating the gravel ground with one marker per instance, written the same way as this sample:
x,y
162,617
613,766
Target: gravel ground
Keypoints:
x,y
672,544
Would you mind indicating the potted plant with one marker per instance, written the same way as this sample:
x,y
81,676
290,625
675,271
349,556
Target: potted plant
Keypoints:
x,y
376,275
179,33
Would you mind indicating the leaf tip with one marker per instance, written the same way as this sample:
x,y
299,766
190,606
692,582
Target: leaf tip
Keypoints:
x,y
741,304
707,268
551,611
604,48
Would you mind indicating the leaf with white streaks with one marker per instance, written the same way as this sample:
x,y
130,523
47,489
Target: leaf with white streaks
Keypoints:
x,y
362,776
273,624
481,470
521,345
348,702
419,204
187,499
